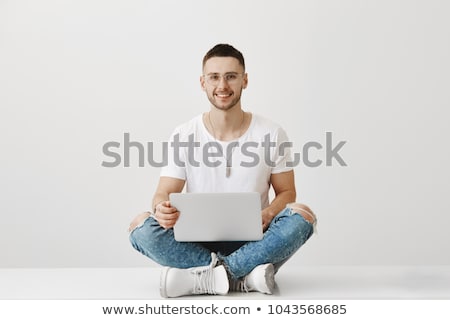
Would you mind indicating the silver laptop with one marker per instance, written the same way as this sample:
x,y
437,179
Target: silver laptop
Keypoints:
x,y
218,216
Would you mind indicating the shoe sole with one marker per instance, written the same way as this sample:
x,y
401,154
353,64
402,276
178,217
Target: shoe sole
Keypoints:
x,y
269,276
162,282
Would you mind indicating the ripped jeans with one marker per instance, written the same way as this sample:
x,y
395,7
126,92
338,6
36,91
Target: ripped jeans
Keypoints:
x,y
287,232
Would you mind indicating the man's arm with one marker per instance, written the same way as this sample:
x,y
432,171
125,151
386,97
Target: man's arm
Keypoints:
x,y
164,213
284,186
166,186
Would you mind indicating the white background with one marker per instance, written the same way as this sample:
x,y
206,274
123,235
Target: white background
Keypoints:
x,y
77,74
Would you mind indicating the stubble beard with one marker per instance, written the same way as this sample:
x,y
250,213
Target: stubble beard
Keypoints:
x,y
233,102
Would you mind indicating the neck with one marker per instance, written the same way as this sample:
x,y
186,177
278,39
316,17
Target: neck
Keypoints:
x,y
226,125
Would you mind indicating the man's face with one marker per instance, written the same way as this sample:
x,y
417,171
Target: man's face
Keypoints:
x,y
222,93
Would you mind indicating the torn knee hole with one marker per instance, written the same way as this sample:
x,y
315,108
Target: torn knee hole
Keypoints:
x,y
138,221
304,211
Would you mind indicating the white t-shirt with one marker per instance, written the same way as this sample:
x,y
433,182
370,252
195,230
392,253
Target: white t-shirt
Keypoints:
x,y
194,155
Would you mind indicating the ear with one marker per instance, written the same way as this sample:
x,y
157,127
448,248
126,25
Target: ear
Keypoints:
x,y
202,83
245,81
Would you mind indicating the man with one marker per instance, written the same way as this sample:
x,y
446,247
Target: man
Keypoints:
x,y
218,267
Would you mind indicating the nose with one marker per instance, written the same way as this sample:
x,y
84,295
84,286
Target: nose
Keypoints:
x,y
222,82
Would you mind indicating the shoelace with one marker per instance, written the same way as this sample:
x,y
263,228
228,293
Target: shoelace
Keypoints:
x,y
204,281
204,278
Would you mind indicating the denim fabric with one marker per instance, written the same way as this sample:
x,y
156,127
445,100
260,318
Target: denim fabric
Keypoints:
x,y
287,232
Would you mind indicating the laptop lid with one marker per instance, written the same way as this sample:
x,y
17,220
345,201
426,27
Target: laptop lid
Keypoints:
x,y
218,216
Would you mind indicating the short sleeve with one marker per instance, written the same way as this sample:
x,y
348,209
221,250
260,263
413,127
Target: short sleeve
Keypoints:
x,y
283,154
175,165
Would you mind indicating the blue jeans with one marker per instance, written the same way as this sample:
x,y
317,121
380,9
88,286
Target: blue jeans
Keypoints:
x,y
287,232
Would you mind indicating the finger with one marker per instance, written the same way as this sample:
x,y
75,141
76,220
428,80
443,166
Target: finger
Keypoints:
x,y
166,224
266,224
168,216
165,209
164,204
160,205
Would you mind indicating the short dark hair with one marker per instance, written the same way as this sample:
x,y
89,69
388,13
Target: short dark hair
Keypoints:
x,y
224,50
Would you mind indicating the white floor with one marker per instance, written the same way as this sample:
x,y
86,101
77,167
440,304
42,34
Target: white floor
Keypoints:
x,y
322,283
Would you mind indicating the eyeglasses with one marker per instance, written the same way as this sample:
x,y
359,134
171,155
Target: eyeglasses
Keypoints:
x,y
230,77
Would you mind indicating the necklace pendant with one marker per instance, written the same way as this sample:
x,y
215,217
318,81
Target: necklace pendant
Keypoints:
x,y
228,172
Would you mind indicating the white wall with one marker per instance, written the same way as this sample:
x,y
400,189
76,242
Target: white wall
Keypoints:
x,y
77,74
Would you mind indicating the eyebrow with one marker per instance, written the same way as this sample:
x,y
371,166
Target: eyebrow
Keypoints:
x,y
229,72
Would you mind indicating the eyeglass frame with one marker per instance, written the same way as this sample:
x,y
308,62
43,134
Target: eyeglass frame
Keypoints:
x,y
222,76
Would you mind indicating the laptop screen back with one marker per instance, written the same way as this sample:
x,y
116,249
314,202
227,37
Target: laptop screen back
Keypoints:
x,y
218,216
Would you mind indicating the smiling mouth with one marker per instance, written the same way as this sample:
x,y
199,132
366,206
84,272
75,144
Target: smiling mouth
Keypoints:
x,y
223,95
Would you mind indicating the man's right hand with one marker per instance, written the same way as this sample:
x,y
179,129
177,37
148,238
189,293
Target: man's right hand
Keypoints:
x,y
166,215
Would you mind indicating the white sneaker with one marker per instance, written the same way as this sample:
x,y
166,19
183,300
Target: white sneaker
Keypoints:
x,y
261,279
175,282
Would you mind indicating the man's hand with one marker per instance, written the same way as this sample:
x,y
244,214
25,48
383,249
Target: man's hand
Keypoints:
x,y
166,215
267,216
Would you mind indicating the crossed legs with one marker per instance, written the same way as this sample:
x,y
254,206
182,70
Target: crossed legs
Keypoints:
x,y
287,232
